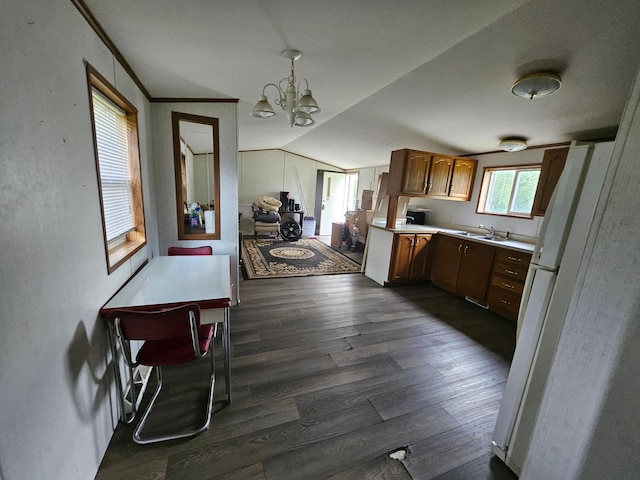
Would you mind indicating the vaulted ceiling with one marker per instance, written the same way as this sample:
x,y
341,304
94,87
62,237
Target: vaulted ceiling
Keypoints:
x,y
425,74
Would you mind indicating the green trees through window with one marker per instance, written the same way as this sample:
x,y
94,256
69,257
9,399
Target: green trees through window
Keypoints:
x,y
509,190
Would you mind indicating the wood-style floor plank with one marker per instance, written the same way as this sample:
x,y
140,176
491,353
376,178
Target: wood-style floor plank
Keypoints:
x,y
329,375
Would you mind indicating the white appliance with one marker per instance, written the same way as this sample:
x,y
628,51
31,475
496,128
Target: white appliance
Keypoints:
x,y
548,290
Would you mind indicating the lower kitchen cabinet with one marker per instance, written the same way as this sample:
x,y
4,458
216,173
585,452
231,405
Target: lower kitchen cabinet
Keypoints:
x,y
507,282
462,266
410,258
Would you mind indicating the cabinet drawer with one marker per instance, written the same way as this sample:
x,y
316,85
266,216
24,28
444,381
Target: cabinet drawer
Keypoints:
x,y
510,270
502,300
507,284
513,257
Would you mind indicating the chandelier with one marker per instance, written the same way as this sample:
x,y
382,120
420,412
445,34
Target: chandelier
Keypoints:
x,y
298,105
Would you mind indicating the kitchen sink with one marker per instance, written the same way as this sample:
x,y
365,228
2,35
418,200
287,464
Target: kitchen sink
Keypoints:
x,y
494,238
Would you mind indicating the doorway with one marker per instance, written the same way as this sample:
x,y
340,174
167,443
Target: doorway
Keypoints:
x,y
336,194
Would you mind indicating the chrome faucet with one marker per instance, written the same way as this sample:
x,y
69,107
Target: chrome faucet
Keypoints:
x,y
491,229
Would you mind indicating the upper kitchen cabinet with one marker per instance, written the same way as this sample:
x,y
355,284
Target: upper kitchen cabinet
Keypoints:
x,y
463,175
425,174
416,172
552,166
440,177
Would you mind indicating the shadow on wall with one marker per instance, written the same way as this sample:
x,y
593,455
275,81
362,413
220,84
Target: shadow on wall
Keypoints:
x,y
90,369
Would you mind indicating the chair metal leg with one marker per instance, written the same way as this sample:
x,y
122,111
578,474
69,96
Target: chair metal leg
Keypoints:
x,y
160,438
113,342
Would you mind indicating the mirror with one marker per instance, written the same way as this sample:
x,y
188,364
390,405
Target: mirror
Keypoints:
x,y
197,176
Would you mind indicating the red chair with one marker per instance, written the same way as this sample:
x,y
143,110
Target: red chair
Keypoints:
x,y
171,337
204,250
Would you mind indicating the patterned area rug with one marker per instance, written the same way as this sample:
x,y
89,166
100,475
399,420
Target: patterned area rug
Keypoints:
x,y
277,258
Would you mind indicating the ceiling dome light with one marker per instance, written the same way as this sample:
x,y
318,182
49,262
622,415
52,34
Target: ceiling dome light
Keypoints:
x,y
512,145
534,85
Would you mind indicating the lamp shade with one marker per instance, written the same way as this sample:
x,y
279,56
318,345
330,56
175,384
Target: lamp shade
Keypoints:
x,y
306,103
303,120
512,145
263,108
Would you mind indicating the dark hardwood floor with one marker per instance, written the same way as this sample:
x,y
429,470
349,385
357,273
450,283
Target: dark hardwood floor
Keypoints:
x,y
329,375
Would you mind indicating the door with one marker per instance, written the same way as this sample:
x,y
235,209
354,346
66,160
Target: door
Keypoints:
x,y
401,256
333,203
420,258
446,260
475,269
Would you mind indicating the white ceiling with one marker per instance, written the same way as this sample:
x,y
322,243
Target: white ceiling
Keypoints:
x,y
425,74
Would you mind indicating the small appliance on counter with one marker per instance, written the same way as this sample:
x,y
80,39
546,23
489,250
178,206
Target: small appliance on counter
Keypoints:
x,y
417,216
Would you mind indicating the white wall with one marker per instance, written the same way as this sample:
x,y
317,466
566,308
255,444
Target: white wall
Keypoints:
x,y
269,172
226,112
57,394
446,213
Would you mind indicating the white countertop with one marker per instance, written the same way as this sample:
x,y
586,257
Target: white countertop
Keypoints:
x,y
411,228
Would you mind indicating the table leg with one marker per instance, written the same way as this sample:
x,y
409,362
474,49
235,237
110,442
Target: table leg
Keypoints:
x,y
226,341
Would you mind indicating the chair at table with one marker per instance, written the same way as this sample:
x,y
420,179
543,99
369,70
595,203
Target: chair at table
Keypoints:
x,y
204,250
171,337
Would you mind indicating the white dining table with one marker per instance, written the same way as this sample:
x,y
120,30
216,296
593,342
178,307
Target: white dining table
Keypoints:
x,y
169,281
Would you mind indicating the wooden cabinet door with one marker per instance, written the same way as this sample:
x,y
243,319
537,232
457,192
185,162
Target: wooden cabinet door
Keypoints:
x,y
416,172
420,259
401,256
552,166
464,172
440,176
446,260
475,269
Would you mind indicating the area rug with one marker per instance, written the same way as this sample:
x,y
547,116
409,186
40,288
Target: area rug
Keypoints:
x,y
278,258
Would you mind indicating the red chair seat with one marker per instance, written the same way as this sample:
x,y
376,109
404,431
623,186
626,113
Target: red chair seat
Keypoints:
x,y
174,351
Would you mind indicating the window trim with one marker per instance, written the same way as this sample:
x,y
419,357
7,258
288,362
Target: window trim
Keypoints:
x,y
484,186
118,252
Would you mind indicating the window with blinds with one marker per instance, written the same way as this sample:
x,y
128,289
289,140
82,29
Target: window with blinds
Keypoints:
x,y
113,158
115,134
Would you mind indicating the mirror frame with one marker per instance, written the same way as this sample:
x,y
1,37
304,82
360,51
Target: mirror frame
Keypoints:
x,y
176,118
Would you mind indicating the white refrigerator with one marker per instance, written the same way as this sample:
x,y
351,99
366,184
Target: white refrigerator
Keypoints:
x,y
548,290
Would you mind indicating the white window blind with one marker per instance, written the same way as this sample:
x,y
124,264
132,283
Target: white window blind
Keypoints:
x,y
115,174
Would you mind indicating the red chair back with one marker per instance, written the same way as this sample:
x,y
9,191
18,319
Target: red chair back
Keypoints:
x,y
204,250
157,325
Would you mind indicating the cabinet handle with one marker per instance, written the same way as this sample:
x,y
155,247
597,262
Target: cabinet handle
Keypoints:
x,y
460,248
504,301
515,259
466,248
416,242
426,186
507,285
511,272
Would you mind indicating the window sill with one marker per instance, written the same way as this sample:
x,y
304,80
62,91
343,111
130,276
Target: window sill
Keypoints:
x,y
122,253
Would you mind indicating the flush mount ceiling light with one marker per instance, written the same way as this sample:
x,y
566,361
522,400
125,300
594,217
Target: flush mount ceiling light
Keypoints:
x,y
512,145
298,105
536,85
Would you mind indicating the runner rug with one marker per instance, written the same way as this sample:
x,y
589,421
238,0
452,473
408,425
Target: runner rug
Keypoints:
x,y
278,258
